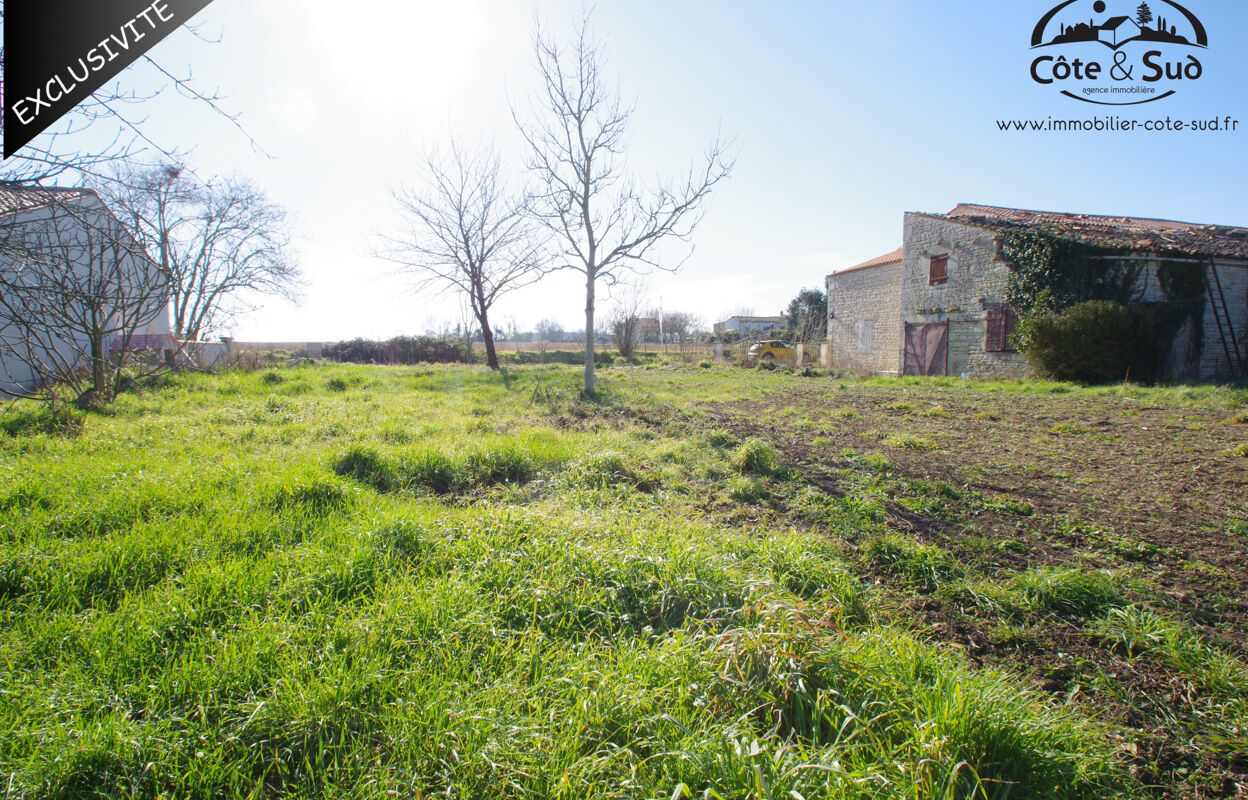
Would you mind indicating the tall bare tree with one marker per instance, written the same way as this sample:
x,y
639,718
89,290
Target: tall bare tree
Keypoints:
x,y
217,244
76,292
605,221
467,232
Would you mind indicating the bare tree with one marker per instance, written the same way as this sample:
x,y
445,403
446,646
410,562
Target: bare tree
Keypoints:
x,y
681,325
217,244
605,221
77,293
548,330
117,122
467,233
624,320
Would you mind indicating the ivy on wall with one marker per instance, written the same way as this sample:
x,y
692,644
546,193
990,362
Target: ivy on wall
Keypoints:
x,y
1050,274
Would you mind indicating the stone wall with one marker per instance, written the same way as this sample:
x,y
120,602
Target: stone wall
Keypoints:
x,y
864,320
1210,362
1214,364
977,281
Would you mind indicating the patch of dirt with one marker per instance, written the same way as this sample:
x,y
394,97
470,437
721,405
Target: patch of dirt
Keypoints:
x,y
1111,482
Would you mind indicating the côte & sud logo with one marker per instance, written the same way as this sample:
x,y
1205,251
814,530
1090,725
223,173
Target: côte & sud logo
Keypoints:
x,y
1116,53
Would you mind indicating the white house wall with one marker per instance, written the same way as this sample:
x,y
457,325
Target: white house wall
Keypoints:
x,y
15,375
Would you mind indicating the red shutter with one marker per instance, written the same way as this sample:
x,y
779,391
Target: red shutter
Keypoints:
x,y
1001,323
938,270
994,341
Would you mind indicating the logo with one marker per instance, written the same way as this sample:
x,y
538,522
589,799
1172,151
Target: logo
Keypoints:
x,y
1108,54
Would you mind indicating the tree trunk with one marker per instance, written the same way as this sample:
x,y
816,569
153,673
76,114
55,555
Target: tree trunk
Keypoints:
x,y
491,357
99,365
589,336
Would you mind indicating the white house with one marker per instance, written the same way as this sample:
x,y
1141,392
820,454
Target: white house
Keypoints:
x,y
749,326
73,283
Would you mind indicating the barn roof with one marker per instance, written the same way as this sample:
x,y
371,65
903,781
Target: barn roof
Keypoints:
x,y
879,261
1126,234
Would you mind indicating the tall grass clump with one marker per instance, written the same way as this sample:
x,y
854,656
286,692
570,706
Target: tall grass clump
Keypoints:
x,y
1070,591
757,457
925,566
897,715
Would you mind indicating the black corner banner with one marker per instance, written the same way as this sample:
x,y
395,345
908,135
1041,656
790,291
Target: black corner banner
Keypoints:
x,y
57,52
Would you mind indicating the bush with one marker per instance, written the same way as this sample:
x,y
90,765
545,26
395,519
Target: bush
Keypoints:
x,y
1093,342
400,350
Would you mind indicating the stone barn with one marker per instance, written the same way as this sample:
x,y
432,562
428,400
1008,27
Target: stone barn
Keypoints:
x,y
938,305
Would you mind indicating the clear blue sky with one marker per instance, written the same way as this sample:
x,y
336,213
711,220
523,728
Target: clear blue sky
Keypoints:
x,y
845,115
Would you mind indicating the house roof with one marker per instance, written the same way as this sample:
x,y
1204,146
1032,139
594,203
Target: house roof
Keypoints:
x,y
15,197
1128,234
878,261
1115,22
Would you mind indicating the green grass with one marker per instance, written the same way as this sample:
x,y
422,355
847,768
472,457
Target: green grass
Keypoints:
x,y
372,582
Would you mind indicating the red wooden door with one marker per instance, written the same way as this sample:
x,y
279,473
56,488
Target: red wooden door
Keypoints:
x,y
927,348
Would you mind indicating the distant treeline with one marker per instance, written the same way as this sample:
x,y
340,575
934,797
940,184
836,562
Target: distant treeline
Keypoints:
x,y
400,350
438,350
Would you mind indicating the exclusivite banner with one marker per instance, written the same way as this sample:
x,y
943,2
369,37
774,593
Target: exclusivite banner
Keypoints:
x,y
57,52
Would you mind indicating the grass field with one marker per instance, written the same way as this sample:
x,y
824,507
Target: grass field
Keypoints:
x,y
709,582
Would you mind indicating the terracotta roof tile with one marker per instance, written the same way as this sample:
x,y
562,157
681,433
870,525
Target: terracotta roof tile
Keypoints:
x,y
1114,233
879,261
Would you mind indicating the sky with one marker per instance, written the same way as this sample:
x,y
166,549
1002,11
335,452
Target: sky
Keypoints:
x,y
843,116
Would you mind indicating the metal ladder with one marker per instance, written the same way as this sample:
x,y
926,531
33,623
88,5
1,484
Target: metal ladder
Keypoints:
x,y
1226,326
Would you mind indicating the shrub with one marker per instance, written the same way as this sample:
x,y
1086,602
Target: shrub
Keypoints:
x,y
400,350
1093,342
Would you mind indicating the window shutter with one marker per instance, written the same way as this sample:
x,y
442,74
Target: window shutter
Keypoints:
x,y
938,270
1011,321
994,341
1001,323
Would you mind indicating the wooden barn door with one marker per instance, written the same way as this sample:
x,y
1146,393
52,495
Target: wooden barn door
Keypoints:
x,y
927,348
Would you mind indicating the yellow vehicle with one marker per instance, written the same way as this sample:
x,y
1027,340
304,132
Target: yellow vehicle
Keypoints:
x,y
771,350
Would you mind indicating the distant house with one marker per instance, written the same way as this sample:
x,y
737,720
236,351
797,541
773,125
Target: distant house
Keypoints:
x,y
59,243
938,304
751,326
1116,30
